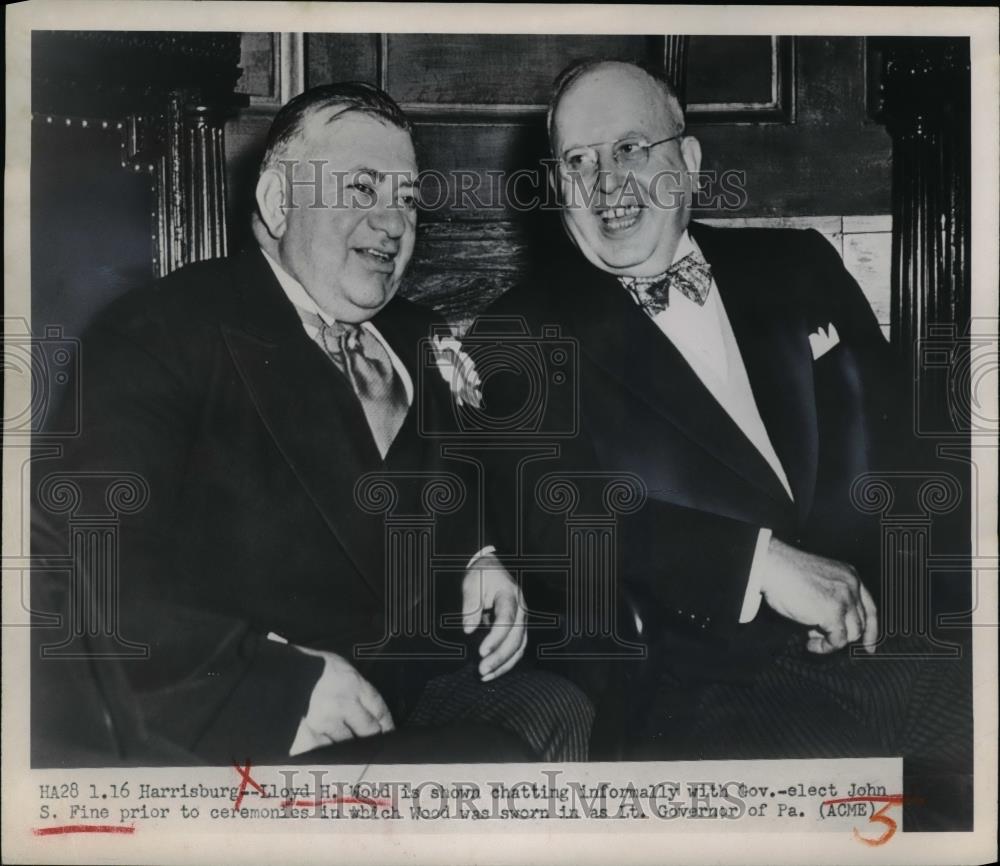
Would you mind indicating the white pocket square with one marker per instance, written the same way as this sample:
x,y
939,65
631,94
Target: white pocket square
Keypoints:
x,y
822,340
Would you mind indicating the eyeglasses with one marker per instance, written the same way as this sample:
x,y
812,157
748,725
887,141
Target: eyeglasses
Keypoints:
x,y
628,153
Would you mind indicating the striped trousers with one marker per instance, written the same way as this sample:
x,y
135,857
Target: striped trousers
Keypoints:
x,y
810,706
523,716
837,706
547,712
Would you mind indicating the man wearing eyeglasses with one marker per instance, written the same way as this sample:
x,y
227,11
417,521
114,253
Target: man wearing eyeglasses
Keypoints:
x,y
741,375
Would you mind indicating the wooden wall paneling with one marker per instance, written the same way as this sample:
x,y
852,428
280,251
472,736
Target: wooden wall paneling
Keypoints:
x,y
276,67
831,159
480,171
165,96
731,79
333,57
925,102
811,170
181,143
790,113
273,67
458,268
244,143
812,149
259,63
470,75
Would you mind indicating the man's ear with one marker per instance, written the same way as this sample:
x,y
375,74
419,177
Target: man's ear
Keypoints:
x,y
270,194
691,151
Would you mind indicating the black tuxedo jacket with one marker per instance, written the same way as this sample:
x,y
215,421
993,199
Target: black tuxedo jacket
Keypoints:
x,y
638,407
251,443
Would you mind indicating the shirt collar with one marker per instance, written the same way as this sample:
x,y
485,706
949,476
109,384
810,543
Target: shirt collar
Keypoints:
x,y
296,291
685,246
297,294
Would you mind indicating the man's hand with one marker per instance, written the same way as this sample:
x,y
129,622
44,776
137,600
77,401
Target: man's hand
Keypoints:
x,y
488,587
822,593
343,705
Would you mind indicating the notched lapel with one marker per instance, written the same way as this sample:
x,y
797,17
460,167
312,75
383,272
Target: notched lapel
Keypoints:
x,y
312,416
774,344
626,343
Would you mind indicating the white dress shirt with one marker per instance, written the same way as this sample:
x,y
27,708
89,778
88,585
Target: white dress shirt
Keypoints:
x,y
301,298
704,337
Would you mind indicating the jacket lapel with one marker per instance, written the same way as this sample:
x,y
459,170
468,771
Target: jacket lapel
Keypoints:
x,y
417,447
309,410
774,344
626,343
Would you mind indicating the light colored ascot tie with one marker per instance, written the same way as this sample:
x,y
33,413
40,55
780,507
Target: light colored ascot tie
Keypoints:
x,y
362,358
691,276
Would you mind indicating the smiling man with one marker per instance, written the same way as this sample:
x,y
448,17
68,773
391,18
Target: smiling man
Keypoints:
x,y
336,206
252,397
741,376
623,168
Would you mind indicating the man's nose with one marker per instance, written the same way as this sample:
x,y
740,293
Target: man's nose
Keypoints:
x,y
610,175
388,218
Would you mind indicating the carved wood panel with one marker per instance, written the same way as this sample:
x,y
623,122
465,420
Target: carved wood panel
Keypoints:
x,y
168,95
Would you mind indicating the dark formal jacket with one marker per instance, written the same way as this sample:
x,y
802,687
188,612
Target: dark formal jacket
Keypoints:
x,y
637,407
251,445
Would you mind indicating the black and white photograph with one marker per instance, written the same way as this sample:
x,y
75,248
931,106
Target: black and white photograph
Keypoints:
x,y
396,398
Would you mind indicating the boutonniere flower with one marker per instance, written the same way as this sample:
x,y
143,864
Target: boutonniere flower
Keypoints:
x,y
457,369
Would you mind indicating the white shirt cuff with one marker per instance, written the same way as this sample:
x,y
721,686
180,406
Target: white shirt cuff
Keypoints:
x,y
486,551
753,597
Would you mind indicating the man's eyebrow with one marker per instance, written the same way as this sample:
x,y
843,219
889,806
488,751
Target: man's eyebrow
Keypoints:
x,y
625,136
378,176
373,173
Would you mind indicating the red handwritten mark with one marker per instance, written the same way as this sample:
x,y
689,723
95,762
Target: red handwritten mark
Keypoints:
x,y
879,817
247,779
336,801
85,828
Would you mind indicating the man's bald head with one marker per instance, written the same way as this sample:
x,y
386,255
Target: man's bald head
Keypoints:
x,y
612,75
624,167
313,110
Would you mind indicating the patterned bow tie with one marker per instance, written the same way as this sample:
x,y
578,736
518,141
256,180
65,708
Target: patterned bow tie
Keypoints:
x,y
691,276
